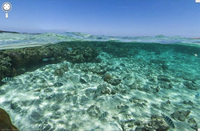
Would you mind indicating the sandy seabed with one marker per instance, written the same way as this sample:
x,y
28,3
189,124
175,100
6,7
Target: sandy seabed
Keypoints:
x,y
119,93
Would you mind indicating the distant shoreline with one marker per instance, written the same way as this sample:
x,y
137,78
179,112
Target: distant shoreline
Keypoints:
x,y
2,31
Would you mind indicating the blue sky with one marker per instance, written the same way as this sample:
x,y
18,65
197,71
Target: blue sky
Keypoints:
x,y
107,17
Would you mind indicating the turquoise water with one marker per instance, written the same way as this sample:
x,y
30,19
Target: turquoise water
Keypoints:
x,y
128,88
17,40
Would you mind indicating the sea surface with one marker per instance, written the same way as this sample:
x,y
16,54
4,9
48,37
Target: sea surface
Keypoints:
x,y
18,40
125,90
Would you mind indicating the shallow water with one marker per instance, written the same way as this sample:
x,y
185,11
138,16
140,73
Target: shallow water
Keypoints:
x,y
131,83
19,40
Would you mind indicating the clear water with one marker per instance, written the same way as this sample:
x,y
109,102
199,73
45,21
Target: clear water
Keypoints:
x,y
124,88
14,40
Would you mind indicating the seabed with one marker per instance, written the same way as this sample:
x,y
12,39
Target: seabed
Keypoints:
x,y
103,85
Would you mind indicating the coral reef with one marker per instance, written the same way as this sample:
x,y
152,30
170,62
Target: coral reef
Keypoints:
x,y
191,85
16,61
156,123
97,86
180,115
193,123
111,79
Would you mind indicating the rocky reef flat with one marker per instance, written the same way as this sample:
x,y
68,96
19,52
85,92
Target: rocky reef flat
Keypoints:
x,y
102,86
17,61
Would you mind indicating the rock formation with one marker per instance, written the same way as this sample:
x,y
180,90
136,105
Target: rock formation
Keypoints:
x,y
5,122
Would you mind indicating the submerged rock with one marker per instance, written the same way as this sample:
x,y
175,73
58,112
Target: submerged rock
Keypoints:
x,y
75,78
128,124
107,77
83,81
103,116
193,123
5,122
35,116
191,85
94,111
13,60
90,92
163,78
69,97
15,106
46,127
58,84
2,92
55,107
165,85
155,124
138,102
188,102
103,89
95,79
84,100
123,108
111,80
115,81
60,71
128,80
197,95
180,115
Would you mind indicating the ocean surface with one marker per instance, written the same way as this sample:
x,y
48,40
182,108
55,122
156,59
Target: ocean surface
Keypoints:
x,y
134,82
18,40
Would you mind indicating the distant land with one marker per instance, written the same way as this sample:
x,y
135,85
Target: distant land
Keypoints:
x,y
1,31
196,38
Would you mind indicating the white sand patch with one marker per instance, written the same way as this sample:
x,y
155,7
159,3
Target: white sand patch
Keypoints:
x,y
42,101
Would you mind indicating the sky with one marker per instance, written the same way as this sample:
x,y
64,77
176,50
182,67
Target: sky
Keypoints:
x,y
105,17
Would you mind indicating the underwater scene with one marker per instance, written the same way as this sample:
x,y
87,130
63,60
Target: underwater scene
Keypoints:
x,y
75,81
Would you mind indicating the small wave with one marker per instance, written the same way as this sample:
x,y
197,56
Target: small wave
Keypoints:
x,y
17,40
